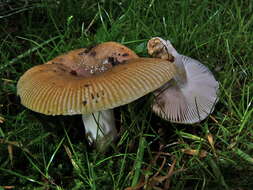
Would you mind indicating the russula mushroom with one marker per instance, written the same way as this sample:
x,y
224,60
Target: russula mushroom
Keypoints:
x,y
192,93
92,82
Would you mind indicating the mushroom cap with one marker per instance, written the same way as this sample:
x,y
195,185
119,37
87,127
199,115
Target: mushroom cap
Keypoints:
x,y
82,82
189,103
192,93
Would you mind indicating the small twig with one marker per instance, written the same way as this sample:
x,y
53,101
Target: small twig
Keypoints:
x,y
8,80
75,165
161,167
1,118
169,175
17,144
8,187
137,187
163,153
213,119
10,151
91,23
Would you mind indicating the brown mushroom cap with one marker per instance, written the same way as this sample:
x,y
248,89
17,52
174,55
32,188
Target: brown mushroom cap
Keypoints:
x,y
82,82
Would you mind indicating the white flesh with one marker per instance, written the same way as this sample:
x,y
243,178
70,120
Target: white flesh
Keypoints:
x,y
100,127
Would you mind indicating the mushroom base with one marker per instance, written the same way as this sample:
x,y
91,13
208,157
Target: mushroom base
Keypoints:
x,y
100,128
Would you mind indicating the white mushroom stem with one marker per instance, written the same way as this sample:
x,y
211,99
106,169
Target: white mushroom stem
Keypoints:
x,y
181,77
100,127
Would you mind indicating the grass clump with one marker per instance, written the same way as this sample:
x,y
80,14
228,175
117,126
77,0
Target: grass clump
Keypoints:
x,y
45,152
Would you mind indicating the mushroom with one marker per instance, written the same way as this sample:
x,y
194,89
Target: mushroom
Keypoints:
x,y
192,93
92,82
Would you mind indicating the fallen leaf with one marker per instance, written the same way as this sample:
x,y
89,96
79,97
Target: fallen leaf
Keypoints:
x,y
194,152
10,151
8,187
2,119
211,142
75,165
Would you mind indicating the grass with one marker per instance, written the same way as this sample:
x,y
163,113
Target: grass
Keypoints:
x,y
45,152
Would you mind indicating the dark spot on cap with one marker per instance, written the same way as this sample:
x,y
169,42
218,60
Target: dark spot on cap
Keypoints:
x,y
56,63
73,72
86,85
110,59
84,102
89,48
125,55
171,58
113,61
93,53
98,95
82,53
92,96
86,50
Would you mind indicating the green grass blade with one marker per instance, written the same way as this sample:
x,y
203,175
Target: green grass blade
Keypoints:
x,y
139,161
27,53
12,172
243,155
53,155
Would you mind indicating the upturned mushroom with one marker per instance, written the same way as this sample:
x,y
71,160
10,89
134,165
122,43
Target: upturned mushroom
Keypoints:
x,y
92,82
192,93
